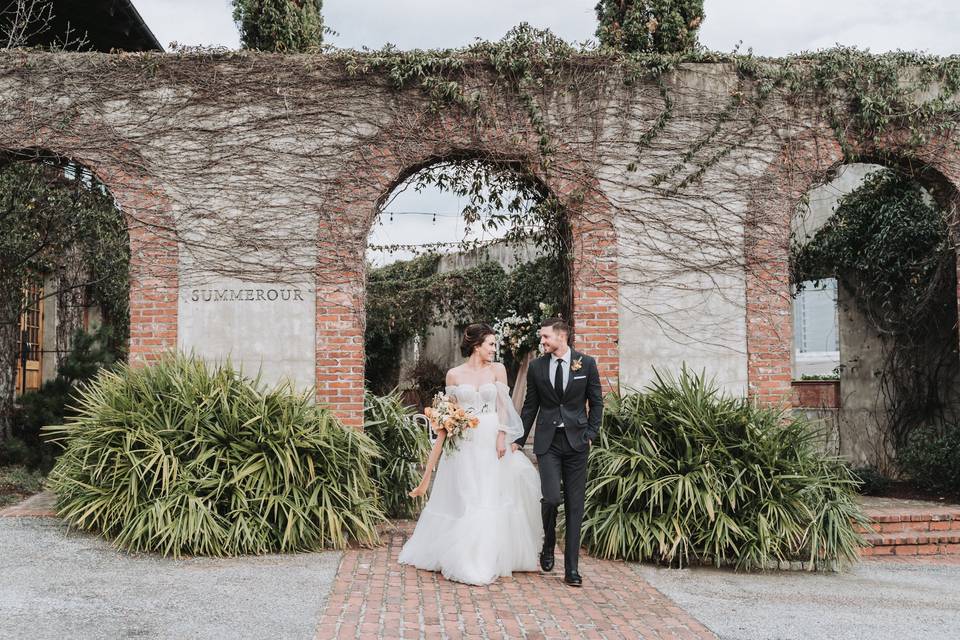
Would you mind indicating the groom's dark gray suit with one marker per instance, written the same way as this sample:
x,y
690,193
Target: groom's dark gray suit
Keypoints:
x,y
566,423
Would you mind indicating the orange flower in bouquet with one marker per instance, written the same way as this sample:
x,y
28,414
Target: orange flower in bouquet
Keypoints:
x,y
450,418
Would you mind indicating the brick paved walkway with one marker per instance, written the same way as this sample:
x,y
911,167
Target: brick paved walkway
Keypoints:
x,y
42,505
375,597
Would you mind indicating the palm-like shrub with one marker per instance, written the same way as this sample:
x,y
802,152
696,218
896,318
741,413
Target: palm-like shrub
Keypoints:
x,y
182,458
682,472
403,446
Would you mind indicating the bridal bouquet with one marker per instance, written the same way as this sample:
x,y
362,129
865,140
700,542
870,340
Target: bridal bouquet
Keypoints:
x,y
448,417
449,421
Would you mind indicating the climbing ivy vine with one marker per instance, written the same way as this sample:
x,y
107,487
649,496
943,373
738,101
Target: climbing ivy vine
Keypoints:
x,y
864,95
888,244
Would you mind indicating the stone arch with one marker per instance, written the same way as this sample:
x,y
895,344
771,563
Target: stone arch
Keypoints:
x,y
357,194
154,263
803,163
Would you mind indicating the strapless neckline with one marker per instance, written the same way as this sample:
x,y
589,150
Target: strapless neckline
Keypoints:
x,y
473,386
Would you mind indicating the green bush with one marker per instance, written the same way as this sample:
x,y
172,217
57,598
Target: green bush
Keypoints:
x,y
18,482
872,482
931,459
681,473
403,446
182,458
90,352
662,26
15,451
428,380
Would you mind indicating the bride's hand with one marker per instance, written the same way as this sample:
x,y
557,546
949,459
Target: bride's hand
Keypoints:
x,y
501,444
418,492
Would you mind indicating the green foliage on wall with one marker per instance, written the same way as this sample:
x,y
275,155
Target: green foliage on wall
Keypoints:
x,y
888,243
862,95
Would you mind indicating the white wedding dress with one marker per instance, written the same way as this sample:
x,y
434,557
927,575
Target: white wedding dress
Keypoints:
x,y
482,520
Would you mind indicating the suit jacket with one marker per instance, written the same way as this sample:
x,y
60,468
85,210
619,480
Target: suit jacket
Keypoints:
x,y
580,409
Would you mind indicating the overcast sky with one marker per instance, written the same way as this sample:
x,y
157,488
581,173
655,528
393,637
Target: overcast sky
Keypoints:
x,y
770,27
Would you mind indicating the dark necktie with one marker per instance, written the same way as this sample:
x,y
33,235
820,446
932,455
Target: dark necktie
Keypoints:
x,y
558,379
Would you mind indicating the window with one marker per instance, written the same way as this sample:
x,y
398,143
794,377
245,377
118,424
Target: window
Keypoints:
x,y
31,337
815,329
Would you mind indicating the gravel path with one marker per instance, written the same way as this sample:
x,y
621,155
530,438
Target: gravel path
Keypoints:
x,y
60,584
874,600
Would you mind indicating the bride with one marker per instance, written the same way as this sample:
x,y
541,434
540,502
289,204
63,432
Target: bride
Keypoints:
x,y
483,516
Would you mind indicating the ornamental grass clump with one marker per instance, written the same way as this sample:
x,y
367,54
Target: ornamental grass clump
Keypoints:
x,y
184,458
403,445
682,473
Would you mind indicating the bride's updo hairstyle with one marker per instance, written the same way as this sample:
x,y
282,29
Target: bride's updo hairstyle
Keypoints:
x,y
473,337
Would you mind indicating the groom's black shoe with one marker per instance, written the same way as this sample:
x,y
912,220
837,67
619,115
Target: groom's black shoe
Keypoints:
x,y
573,579
546,559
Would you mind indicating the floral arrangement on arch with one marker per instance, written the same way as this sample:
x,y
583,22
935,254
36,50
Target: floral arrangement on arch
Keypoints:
x,y
518,335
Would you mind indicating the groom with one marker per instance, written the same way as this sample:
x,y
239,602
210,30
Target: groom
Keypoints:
x,y
563,395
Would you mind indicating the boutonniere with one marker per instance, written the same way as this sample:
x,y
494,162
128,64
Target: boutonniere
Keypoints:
x,y
577,364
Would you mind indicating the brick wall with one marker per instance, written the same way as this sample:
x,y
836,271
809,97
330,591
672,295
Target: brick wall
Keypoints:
x,y
254,136
154,267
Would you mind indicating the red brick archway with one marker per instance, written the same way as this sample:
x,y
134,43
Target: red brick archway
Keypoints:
x,y
354,201
803,164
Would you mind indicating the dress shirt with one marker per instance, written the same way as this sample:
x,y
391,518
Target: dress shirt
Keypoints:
x,y
566,368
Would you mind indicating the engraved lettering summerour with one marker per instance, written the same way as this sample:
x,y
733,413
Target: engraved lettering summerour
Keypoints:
x,y
246,295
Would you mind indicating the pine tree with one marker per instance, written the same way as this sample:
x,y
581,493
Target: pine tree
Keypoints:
x,y
660,26
287,26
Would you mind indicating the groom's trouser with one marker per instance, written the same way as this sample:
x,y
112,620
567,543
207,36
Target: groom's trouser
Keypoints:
x,y
562,464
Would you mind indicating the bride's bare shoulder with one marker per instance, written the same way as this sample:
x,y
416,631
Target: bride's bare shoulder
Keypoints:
x,y
453,375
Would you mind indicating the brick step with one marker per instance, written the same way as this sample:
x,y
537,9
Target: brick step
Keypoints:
x,y
912,537
912,543
910,527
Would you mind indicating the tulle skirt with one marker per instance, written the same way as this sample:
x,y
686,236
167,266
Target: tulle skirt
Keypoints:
x,y
482,519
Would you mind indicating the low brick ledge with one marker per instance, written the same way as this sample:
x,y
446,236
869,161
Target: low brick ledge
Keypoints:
x,y
910,528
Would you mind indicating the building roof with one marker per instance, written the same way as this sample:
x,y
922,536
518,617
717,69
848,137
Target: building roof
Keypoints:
x,y
105,24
